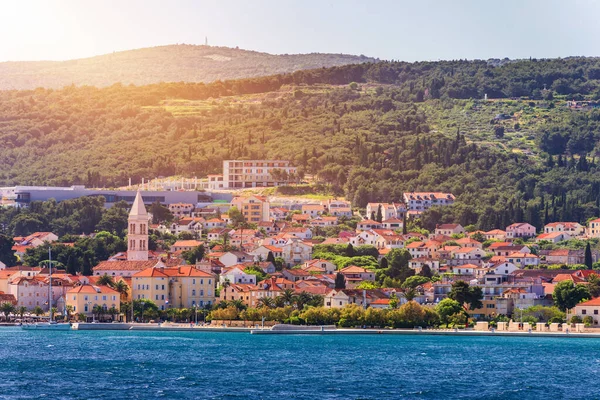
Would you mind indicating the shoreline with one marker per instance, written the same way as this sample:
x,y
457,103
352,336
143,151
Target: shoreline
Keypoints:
x,y
317,330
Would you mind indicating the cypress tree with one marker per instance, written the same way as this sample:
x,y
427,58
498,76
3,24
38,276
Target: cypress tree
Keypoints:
x,y
383,264
379,216
588,256
340,281
350,250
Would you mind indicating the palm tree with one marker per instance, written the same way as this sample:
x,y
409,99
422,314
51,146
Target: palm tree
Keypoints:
x,y
113,312
225,238
172,313
279,301
410,294
105,280
287,296
301,300
69,310
121,287
267,302
97,310
38,311
222,304
21,311
239,304
7,309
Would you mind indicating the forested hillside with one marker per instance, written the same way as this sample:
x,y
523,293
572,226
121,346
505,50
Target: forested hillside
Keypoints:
x,y
368,131
174,63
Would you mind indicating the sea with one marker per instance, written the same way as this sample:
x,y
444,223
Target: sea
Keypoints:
x,y
223,365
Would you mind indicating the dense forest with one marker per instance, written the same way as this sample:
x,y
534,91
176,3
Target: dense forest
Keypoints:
x,y
172,63
366,131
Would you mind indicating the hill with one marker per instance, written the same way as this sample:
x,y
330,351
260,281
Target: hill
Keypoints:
x,y
174,63
368,131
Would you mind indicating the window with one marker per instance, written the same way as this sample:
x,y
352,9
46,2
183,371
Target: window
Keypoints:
x,y
595,312
193,292
584,312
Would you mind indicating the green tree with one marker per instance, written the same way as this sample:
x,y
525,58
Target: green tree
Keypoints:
x,y
105,280
257,271
144,308
499,131
567,295
394,301
398,264
379,217
114,219
7,308
468,296
121,287
236,217
194,255
426,271
160,213
410,293
588,256
340,281
414,281
37,311
447,308
594,285
7,255
21,311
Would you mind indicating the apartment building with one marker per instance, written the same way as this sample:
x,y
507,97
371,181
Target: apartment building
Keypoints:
x,y
256,173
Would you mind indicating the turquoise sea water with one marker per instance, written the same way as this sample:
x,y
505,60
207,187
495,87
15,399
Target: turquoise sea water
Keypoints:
x,y
205,365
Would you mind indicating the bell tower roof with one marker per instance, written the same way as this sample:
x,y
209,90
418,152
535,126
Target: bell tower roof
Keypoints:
x,y
138,208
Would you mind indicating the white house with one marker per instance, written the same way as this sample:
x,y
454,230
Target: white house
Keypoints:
x,y
235,257
235,274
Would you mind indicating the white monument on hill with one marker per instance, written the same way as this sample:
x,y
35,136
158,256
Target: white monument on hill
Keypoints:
x,y
137,235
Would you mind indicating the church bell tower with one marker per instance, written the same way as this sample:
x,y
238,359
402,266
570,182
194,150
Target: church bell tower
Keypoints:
x,y
137,234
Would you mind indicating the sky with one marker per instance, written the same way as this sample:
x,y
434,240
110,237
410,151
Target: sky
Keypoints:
x,y
393,30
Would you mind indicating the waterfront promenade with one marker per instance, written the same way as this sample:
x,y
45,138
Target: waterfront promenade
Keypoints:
x,y
316,330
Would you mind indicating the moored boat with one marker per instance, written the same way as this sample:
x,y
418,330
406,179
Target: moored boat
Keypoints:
x,y
51,326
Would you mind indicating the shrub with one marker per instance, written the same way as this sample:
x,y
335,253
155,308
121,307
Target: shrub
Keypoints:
x,y
588,320
576,319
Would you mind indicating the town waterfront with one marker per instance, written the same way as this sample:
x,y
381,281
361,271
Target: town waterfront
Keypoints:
x,y
194,365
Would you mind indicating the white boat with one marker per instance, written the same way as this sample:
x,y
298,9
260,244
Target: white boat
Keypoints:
x,y
50,326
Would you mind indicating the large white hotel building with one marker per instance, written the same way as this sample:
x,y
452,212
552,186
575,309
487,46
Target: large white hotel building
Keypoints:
x,y
253,173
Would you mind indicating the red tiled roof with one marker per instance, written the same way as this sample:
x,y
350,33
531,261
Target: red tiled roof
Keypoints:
x,y
92,289
593,302
124,265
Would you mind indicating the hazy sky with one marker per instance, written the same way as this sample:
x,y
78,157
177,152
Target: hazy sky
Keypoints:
x,y
395,29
